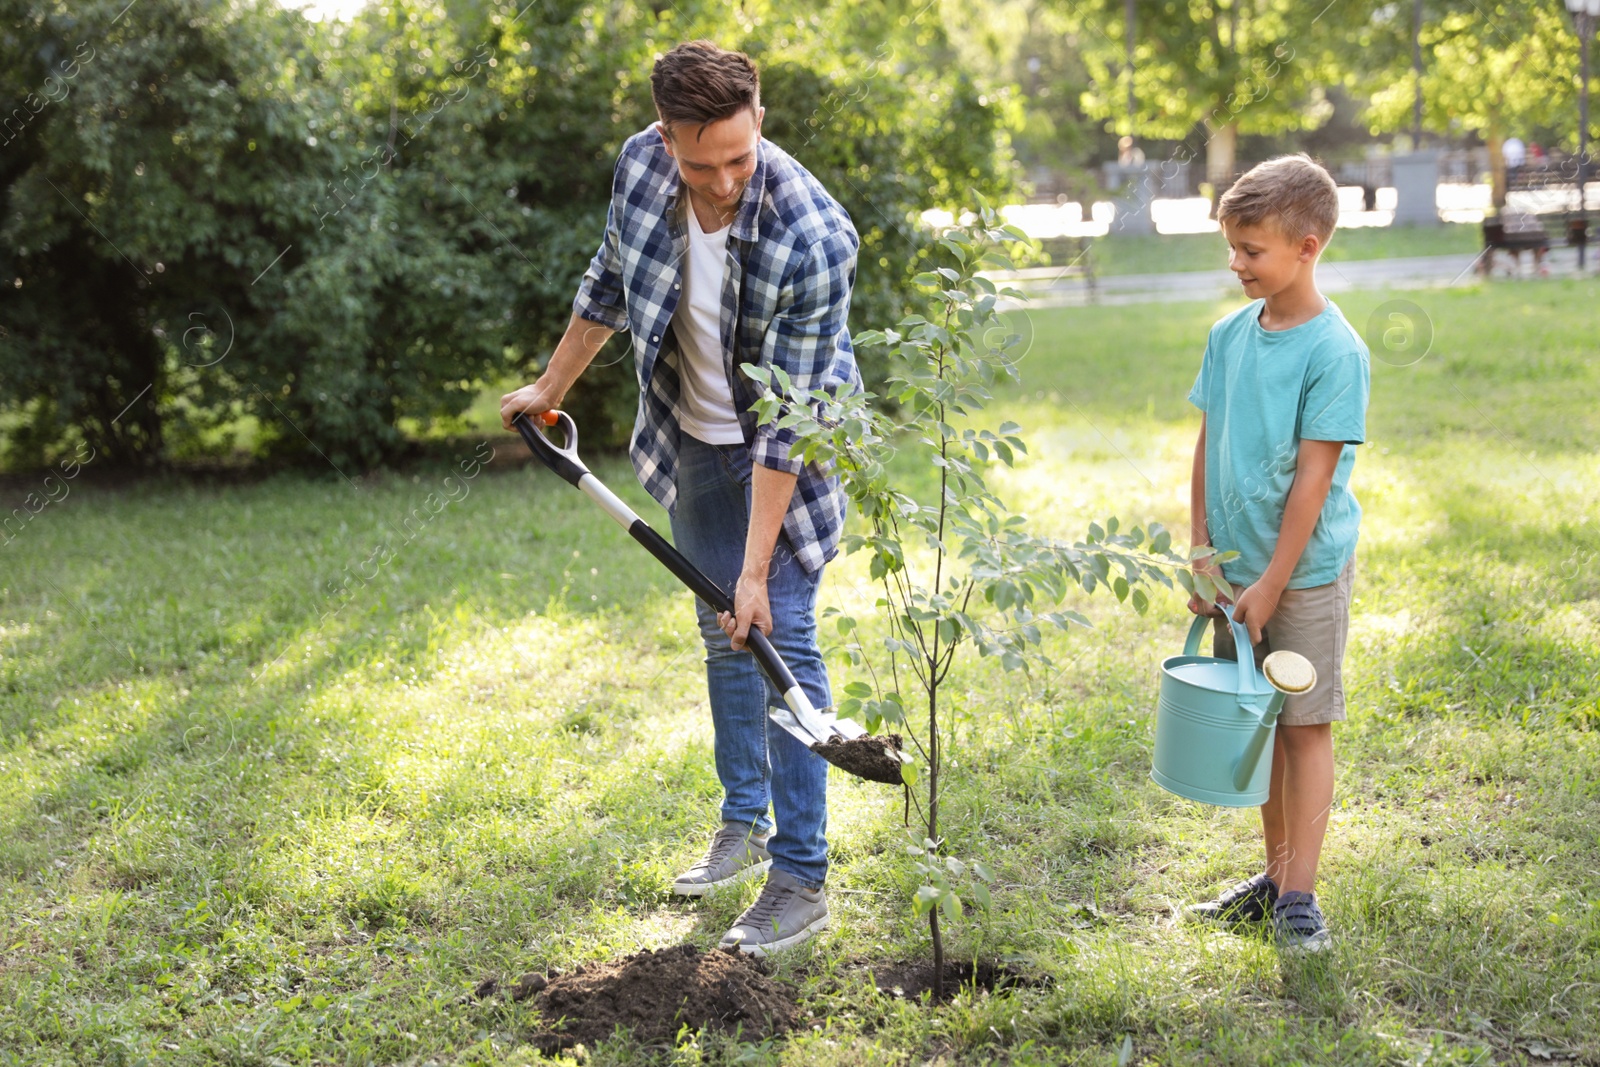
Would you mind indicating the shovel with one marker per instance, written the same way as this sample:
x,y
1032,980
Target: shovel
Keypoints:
x,y
821,731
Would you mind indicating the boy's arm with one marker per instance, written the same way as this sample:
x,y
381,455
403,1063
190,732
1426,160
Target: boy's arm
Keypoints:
x,y
1313,477
1199,534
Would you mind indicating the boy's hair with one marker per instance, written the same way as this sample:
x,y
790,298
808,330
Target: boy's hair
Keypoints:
x,y
1293,193
698,82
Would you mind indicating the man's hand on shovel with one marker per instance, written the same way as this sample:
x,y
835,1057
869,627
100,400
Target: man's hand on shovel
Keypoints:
x,y
530,400
749,607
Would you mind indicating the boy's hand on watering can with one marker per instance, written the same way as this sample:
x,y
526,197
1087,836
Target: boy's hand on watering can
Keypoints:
x,y
1255,608
750,607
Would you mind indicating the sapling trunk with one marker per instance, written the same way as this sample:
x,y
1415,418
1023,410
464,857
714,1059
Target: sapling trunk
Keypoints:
x,y
933,833
993,600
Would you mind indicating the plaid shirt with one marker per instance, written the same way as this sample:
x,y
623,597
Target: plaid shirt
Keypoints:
x,y
785,297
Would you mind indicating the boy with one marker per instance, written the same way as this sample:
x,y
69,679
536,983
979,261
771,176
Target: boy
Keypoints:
x,y
1283,394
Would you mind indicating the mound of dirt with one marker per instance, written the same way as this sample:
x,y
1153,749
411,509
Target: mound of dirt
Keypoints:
x,y
877,759
655,993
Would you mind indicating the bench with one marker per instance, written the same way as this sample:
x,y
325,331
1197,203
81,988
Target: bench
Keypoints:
x,y
1515,233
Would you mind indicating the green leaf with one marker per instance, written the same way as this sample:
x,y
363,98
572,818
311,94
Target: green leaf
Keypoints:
x,y
980,893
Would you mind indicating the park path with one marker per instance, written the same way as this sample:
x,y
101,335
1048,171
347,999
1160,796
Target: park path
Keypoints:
x,y
1415,272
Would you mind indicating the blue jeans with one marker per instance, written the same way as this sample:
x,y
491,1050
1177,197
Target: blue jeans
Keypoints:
x,y
757,761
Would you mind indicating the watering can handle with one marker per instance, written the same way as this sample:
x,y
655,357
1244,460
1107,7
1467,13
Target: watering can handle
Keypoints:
x,y
1249,678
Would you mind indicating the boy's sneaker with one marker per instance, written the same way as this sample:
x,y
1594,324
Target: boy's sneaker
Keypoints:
x,y
1298,925
735,855
785,914
1246,904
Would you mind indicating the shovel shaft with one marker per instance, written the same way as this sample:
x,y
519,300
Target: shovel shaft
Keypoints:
x,y
564,463
772,664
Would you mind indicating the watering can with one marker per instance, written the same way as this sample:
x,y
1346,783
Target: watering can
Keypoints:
x,y
1216,718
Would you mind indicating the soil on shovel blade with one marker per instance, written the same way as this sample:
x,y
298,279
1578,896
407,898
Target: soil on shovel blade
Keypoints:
x,y
655,993
874,758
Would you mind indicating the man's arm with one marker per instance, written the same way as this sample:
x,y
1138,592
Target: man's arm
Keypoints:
x,y
598,311
1313,477
770,492
803,340
577,349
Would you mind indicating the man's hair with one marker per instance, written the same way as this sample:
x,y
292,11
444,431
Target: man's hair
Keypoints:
x,y
698,82
1293,193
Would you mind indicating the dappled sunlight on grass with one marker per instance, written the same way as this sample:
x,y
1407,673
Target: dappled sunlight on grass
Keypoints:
x,y
264,834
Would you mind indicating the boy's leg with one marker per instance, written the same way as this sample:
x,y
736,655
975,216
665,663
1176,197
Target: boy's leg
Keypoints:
x,y
1294,820
1304,787
1272,825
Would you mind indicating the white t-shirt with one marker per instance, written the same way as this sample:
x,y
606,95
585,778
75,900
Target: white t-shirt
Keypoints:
x,y
705,403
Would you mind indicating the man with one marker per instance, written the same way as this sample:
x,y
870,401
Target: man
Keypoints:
x,y
721,250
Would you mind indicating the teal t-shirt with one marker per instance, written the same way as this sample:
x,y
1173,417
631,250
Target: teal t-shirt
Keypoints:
x,y
1263,392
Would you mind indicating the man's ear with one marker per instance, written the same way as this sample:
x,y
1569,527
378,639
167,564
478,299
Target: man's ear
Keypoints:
x,y
666,137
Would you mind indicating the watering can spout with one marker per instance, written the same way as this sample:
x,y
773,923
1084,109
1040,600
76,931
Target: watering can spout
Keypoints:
x,y
1287,672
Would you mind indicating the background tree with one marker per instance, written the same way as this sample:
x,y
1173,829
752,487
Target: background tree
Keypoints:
x,y
1205,72
326,236
163,167
1491,67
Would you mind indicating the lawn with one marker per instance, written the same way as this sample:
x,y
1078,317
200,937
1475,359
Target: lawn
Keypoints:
x,y
291,765
1159,253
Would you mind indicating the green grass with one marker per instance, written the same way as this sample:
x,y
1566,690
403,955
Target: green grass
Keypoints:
x,y
1158,253
237,828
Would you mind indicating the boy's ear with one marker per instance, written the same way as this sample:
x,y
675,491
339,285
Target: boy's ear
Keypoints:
x,y
1310,247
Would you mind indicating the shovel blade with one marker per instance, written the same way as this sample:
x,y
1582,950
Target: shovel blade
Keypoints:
x,y
807,724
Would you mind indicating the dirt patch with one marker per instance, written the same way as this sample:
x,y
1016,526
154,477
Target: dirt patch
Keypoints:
x,y
877,759
913,978
654,994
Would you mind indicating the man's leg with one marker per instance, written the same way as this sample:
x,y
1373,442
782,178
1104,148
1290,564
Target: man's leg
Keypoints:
x,y
708,526
756,759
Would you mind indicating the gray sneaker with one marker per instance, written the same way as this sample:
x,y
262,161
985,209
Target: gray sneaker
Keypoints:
x,y
735,855
1298,924
785,914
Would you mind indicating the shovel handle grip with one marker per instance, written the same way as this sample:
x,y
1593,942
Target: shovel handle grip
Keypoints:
x,y
564,461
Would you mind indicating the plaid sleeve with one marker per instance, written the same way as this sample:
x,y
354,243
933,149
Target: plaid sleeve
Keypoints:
x,y
599,296
807,337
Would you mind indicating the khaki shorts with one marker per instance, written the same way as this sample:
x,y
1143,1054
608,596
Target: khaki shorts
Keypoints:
x,y
1314,622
